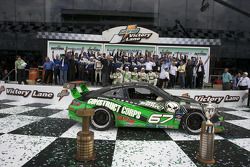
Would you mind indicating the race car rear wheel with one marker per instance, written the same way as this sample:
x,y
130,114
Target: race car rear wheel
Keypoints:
x,y
103,119
192,122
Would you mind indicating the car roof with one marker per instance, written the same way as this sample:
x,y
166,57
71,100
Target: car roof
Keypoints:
x,y
128,85
133,84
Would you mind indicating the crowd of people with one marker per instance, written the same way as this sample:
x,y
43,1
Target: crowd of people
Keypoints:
x,y
118,67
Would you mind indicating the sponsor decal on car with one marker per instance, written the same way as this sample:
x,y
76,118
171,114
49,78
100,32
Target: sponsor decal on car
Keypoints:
x,y
115,107
151,104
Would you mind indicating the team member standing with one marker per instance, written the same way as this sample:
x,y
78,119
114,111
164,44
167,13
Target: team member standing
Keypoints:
x,y
149,65
56,68
98,70
152,78
182,70
106,70
117,77
200,74
48,67
20,65
172,75
226,80
243,82
90,70
134,75
126,75
143,76
64,70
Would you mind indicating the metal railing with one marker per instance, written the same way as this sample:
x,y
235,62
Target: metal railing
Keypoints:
x,y
8,75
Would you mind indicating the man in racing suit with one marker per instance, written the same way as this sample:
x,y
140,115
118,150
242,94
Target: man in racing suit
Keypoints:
x,y
117,77
126,75
143,76
134,75
152,78
98,70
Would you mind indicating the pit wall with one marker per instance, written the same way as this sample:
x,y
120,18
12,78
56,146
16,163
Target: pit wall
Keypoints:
x,y
57,95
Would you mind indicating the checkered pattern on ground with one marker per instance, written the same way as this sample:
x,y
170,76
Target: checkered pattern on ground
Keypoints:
x,y
42,135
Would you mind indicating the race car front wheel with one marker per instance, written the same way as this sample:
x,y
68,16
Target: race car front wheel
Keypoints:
x,y
102,119
192,122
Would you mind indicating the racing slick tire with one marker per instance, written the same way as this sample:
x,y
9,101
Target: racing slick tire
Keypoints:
x,y
103,119
192,121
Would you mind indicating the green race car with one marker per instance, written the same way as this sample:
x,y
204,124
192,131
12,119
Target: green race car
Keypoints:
x,y
141,105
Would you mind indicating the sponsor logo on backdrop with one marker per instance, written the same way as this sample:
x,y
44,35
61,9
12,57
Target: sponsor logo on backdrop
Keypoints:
x,y
2,89
26,93
216,99
63,93
132,34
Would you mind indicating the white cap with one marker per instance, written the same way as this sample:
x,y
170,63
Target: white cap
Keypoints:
x,y
245,73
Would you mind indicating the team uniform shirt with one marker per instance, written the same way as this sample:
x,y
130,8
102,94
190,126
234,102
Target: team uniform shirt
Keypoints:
x,y
98,65
117,78
134,77
152,76
126,76
143,76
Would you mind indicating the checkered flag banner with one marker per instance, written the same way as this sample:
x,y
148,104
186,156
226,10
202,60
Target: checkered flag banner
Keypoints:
x,y
98,38
190,41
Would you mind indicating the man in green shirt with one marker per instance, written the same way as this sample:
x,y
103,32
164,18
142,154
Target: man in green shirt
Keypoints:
x,y
20,65
226,80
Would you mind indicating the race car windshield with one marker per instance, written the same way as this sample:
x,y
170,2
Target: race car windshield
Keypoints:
x,y
169,96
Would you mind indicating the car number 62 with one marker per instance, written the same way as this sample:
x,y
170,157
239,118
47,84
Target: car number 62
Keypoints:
x,y
156,118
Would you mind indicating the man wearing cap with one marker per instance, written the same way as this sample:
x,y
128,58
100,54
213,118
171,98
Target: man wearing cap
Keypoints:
x,y
143,76
243,83
152,78
134,75
126,75
117,77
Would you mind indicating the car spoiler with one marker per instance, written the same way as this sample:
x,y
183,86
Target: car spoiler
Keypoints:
x,y
72,86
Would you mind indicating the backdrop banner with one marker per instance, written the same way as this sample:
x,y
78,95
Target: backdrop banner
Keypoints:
x,y
58,95
109,48
59,47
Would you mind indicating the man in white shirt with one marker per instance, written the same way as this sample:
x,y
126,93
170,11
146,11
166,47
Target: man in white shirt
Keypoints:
x,y
243,83
149,65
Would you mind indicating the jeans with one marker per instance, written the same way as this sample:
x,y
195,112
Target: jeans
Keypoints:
x,y
63,76
182,79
